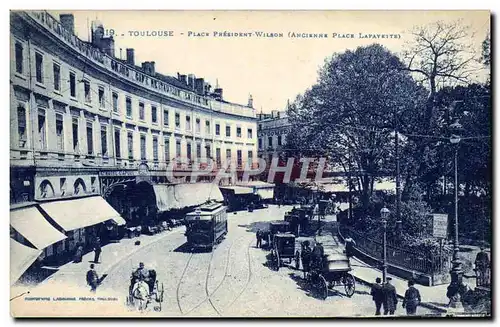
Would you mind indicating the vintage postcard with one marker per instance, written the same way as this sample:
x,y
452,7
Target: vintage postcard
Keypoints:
x,y
250,164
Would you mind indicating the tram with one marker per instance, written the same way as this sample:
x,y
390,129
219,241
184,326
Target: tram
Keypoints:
x,y
206,226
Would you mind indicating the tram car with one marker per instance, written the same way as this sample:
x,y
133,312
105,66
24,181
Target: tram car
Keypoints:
x,y
206,226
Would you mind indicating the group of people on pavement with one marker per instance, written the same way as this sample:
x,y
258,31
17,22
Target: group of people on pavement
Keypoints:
x,y
385,296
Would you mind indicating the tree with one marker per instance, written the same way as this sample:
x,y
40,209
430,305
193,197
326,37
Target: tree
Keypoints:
x,y
440,54
349,115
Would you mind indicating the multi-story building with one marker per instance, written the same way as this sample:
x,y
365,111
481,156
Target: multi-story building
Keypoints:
x,y
272,130
84,122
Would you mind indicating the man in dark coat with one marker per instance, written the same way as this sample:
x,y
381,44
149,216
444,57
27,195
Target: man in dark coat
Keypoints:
x,y
97,250
412,299
349,246
92,278
377,295
259,238
317,254
390,297
305,256
482,267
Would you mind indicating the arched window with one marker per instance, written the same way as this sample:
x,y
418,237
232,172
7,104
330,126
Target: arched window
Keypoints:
x,y
46,189
79,187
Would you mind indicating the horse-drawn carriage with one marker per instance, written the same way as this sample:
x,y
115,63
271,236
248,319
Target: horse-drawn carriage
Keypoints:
x,y
144,289
284,248
330,271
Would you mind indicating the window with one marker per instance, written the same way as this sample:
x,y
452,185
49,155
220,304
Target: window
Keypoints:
x,y
90,138
104,140
130,145
118,151
178,148
86,90
165,117
177,120
166,144
155,148
270,141
228,130
72,84
21,126
198,125
188,123
260,127
239,157
102,97
75,134
250,133
188,151
115,101
19,57
207,127
198,150
260,143
209,152
141,111
42,129
60,132
154,114
217,129
39,67
228,155
57,77
128,105
143,147
217,156
279,139
250,156
238,131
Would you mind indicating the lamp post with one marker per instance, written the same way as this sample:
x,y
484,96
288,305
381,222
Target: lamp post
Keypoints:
x,y
399,224
456,272
384,214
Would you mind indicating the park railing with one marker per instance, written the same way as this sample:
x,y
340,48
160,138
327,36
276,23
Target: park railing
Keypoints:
x,y
405,258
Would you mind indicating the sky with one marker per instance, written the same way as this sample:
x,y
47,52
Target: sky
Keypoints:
x,y
272,70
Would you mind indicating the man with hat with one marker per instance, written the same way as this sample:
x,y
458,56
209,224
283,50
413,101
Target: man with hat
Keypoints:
x,y
412,299
482,266
390,297
377,295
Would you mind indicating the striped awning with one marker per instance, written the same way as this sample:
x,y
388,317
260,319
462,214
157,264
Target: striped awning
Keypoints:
x,y
33,226
21,258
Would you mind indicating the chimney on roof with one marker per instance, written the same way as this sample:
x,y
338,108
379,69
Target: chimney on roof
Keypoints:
x,y
149,67
130,56
191,79
250,101
199,85
218,94
208,87
182,78
68,22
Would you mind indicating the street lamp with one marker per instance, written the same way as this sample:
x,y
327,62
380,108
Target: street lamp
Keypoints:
x,y
456,272
384,214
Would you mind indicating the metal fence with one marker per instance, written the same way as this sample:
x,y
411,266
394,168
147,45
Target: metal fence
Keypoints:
x,y
409,259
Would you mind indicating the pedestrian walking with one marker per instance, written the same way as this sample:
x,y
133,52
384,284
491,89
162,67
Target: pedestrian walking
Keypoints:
x,y
305,257
482,264
92,278
259,238
390,297
97,250
377,294
349,246
78,253
412,299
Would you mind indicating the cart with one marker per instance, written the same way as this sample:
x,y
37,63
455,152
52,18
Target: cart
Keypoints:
x,y
334,270
275,227
284,248
156,294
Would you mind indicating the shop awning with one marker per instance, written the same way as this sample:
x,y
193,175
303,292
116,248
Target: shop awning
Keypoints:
x,y
384,185
119,221
30,223
239,189
265,193
79,213
179,196
21,258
